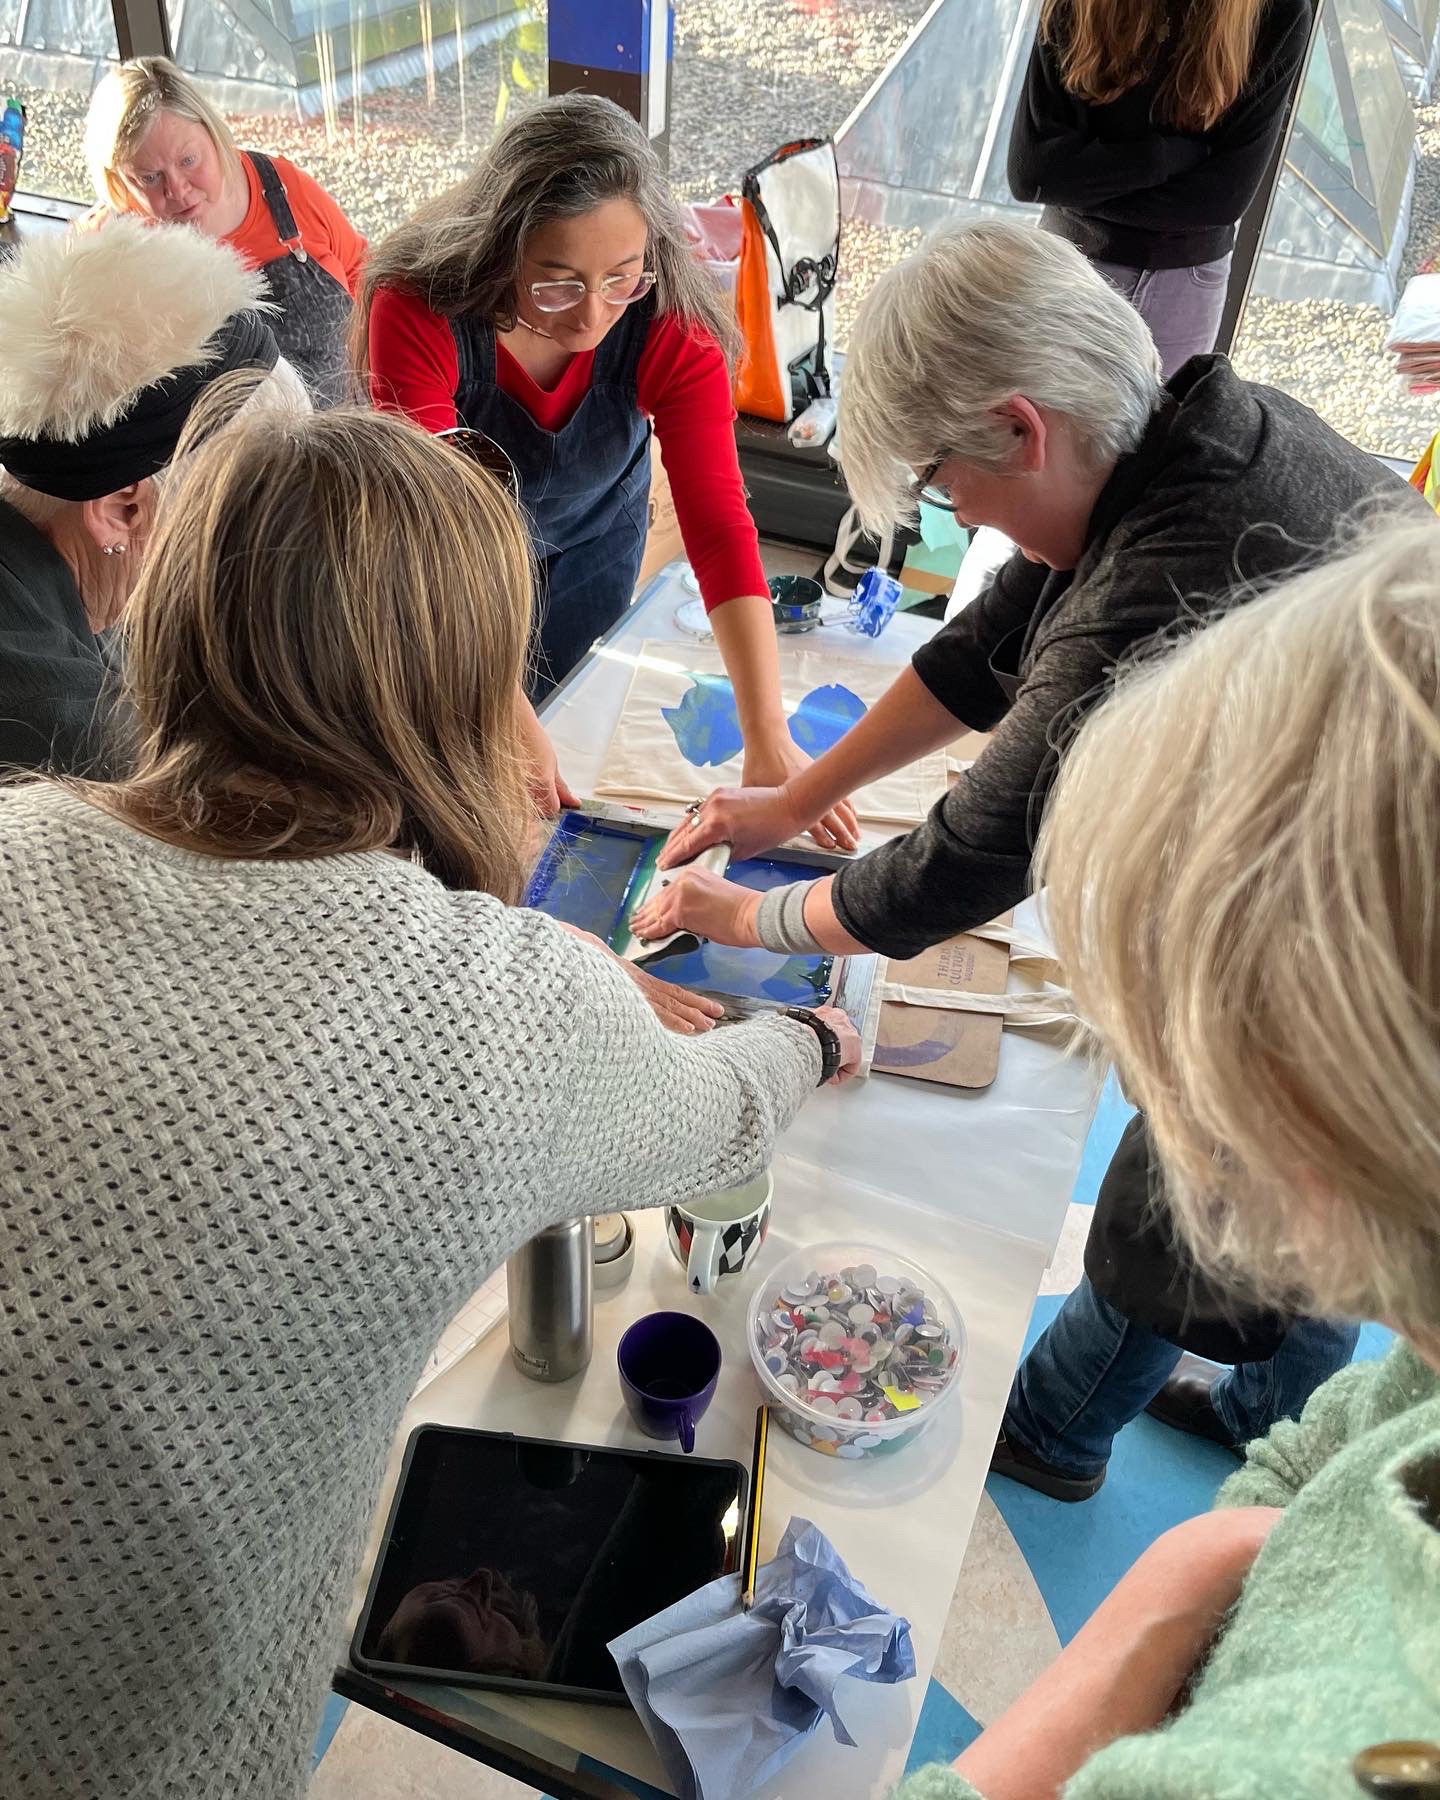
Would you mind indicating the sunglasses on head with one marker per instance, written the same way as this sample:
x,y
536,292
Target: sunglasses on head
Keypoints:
x,y
485,451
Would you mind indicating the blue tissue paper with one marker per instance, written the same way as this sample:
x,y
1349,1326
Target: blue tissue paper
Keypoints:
x,y
727,1697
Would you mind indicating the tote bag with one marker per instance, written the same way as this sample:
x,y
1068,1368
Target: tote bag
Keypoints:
x,y
785,293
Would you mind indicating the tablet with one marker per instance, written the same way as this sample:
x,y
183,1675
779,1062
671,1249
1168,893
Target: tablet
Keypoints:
x,y
511,1562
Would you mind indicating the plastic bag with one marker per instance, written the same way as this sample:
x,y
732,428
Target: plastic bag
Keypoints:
x,y
12,148
1414,335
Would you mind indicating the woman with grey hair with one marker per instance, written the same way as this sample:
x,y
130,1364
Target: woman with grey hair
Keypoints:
x,y
111,337
997,376
551,303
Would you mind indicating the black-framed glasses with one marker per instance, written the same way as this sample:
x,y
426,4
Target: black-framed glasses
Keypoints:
x,y
614,290
485,451
928,491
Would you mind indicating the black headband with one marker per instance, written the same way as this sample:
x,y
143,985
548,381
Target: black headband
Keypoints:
x,y
143,440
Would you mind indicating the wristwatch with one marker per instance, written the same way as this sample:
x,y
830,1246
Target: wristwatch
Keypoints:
x,y
830,1056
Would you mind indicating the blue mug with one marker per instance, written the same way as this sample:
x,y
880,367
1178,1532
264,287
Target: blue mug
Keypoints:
x,y
669,1365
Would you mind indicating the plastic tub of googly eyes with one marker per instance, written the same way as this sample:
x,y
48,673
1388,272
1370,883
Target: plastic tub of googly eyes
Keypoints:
x,y
857,1348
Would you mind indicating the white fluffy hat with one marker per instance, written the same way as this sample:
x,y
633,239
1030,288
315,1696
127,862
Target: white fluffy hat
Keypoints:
x,y
94,317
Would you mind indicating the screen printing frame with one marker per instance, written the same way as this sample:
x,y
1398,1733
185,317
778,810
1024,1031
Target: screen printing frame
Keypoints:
x,y
857,989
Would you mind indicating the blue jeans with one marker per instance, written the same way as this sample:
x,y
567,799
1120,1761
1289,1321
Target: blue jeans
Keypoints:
x,y
1093,1371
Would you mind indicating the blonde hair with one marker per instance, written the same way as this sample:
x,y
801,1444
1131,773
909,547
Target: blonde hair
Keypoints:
x,y
978,315
122,110
1243,866
1105,50
462,252
324,649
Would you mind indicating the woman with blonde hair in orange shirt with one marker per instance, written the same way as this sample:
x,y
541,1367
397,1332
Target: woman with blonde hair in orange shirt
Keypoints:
x,y
157,147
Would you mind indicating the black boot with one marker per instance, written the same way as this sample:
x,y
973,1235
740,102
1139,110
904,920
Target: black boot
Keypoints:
x,y
1184,1402
1010,1460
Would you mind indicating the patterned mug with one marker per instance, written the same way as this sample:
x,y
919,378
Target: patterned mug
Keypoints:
x,y
717,1234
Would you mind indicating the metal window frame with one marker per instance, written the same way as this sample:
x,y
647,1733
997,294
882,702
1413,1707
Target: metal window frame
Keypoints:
x,y
1250,233
142,28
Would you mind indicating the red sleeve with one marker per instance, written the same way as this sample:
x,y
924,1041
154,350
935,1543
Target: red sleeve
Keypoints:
x,y
683,383
414,366
321,220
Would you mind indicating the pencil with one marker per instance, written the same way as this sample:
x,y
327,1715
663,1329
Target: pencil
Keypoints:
x,y
751,1556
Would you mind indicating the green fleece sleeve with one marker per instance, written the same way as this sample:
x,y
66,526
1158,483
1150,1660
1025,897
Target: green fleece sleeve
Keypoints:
x,y
1349,1404
936,1782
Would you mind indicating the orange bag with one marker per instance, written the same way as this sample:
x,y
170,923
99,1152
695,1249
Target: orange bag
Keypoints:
x,y
784,296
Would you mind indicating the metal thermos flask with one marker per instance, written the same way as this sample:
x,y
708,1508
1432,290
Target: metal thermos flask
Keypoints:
x,y
549,1284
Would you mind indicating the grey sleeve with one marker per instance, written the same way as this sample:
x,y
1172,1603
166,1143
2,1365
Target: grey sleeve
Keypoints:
x,y
780,923
652,1115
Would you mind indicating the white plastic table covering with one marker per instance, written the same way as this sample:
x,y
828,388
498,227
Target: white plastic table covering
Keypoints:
x,y
971,1185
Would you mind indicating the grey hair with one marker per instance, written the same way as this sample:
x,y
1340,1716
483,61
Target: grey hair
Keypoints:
x,y
462,252
39,509
979,315
1242,858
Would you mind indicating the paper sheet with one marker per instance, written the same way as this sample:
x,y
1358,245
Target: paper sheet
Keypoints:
x,y
481,1313
679,735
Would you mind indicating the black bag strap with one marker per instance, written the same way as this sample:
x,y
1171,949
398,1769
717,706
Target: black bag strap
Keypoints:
x,y
277,202
806,269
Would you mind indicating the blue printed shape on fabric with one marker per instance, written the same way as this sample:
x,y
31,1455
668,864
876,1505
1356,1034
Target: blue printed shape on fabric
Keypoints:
x,y
706,724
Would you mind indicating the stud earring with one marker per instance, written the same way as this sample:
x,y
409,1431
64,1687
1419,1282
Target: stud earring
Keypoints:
x,y
113,550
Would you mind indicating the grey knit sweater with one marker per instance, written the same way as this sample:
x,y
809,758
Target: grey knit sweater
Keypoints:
x,y
263,1129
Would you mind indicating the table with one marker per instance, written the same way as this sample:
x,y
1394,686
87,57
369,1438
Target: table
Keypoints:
x,y
972,1185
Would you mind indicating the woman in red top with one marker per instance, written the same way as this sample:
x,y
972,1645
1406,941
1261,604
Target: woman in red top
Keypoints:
x,y
550,302
157,147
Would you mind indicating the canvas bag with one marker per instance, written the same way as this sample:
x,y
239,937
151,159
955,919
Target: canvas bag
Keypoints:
x,y
785,295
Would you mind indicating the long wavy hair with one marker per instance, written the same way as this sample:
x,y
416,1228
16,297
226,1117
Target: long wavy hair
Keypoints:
x,y
324,650
462,252
1107,47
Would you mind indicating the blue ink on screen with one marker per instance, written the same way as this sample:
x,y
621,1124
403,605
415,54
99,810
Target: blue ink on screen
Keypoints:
x,y
824,716
591,876
755,974
706,725
749,974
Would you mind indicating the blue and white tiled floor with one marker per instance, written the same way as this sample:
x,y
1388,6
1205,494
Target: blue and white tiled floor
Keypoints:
x,y
1033,1573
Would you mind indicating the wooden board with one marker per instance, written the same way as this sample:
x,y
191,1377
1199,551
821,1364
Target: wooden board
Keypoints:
x,y
957,1049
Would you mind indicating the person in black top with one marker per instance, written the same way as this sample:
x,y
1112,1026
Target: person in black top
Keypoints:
x,y
111,337
1145,131
997,376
